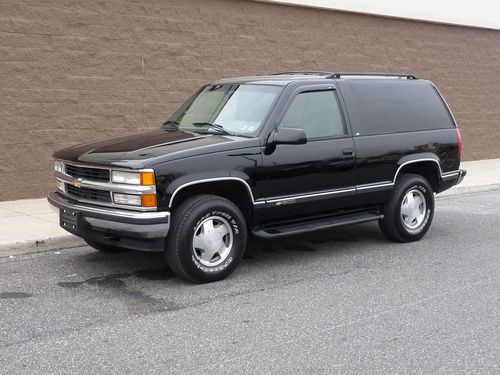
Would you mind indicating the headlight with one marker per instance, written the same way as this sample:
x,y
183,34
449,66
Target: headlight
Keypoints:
x,y
133,178
127,199
144,200
59,166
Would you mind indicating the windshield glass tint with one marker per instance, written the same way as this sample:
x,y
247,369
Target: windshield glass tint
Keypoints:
x,y
240,109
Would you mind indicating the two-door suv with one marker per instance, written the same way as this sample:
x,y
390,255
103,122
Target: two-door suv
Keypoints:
x,y
274,155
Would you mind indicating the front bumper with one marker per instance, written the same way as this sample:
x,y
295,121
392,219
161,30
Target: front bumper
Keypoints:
x,y
125,228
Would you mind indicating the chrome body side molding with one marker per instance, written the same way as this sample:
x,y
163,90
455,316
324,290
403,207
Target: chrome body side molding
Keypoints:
x,y
290,199
216,179
375,186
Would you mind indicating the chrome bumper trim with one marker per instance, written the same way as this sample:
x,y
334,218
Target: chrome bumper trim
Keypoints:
x,y
461,174
60,201
449,175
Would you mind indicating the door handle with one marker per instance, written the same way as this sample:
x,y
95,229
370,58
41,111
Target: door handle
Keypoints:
x,y
348,153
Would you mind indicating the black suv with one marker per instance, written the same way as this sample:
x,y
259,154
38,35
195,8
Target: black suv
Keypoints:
x,y
272,155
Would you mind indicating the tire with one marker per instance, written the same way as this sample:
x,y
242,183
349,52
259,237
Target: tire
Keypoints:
x,y
104,248
408,214
207,239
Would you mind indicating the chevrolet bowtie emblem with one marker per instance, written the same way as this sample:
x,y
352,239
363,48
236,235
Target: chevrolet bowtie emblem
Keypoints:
x,y
77,182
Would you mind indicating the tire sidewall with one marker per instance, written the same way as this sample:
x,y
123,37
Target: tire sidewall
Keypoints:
x,y
184,244
420,184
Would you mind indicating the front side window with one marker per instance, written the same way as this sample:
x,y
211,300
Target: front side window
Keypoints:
x,y
238,109
315,112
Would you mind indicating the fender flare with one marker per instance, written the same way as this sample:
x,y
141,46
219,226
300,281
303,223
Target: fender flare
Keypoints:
x,y
416,158
208,180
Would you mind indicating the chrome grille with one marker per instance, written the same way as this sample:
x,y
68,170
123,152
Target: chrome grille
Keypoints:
x,y
92,184
92,174
88,193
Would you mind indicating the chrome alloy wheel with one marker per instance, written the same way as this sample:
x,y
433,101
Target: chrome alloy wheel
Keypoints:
x,y
212,241
413,209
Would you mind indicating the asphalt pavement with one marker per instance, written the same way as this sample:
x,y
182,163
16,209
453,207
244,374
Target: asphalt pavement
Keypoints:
x,y
346,301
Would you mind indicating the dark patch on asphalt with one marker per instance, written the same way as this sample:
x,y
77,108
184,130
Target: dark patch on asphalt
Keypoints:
x,y
137,301
110,281
116,280
154,274
15,295
299,247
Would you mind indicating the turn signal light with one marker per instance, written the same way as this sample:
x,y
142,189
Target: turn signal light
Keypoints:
x,y
148,200
148,178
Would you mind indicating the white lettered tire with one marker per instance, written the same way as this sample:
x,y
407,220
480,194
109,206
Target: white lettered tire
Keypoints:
x,y
207,239
408,214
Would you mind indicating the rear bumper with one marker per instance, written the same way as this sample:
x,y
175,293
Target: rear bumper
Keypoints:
x,y
450,179
461,174
129,229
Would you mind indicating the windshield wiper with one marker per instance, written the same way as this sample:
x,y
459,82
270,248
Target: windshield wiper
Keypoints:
x,y
171,124
218,127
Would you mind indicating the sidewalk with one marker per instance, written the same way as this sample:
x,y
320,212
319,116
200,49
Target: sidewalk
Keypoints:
x,y
31,225
482,175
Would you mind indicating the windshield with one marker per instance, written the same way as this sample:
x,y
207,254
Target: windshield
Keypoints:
x,y
229,109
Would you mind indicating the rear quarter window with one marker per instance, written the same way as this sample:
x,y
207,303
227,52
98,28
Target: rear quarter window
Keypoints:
x,y
399,106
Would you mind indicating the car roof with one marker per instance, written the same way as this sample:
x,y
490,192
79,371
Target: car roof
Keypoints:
x,y
285,78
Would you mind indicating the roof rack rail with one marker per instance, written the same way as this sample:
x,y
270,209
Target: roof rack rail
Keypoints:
x,y
395,75
305,72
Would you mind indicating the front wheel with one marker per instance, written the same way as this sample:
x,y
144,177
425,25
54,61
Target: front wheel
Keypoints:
x,y
206,240
408,215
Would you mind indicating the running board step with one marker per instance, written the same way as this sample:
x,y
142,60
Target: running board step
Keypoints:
x,y
286,229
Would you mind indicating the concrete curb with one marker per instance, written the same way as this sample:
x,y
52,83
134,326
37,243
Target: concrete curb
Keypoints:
x,y
464,190
41,245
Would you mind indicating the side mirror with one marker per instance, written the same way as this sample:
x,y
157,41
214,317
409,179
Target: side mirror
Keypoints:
x,y
288,136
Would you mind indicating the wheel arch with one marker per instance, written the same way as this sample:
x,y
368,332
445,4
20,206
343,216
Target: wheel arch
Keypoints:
x,y
427,166
234,189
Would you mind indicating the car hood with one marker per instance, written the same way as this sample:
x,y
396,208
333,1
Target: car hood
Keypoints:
x,y
149,148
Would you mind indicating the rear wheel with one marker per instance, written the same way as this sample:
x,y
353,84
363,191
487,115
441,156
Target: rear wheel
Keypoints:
x,y
207,239
408,215
104,248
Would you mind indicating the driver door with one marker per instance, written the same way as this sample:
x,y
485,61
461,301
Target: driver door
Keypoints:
x,y
315,177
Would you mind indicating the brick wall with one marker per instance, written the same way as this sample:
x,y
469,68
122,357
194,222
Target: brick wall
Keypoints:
x,y
75,71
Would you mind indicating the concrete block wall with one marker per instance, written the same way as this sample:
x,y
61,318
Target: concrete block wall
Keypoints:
x,y
76,71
